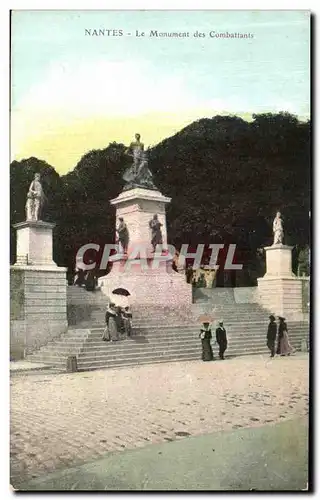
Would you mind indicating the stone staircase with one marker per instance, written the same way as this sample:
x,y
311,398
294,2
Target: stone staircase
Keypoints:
x,y
159,335
219,295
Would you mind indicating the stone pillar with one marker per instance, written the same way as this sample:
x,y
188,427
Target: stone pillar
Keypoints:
x,y
150,285
280,291
279,261
38,287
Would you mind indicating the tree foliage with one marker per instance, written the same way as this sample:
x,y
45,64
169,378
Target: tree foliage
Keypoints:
x,y
226,177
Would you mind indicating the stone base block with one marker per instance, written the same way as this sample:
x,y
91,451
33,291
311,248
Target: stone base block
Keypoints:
x,y
137,207
279,261
38,307
34,243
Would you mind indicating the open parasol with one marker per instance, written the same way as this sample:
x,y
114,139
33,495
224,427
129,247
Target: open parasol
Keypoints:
x,y
121,291
205,318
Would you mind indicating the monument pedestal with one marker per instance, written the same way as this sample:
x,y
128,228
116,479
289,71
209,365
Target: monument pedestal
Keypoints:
x,y
279,261
38,288
137,207
150,283
280,291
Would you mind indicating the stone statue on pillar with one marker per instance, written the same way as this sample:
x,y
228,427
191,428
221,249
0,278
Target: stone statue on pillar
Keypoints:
x,y
278,233
35,199
138,174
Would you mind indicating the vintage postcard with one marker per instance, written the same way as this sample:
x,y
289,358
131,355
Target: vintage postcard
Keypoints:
x,y
160,216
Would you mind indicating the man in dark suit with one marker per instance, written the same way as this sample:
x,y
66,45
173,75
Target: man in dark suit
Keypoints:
x,y
221,337
271,335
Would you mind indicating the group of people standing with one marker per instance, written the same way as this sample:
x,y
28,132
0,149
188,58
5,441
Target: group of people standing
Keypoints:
x,y
206,336
118,323
284,348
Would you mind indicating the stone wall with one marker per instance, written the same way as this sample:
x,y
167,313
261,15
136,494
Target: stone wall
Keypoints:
x,y
38,307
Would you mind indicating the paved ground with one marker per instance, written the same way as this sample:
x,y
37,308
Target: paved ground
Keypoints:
x,y
64,420
265,458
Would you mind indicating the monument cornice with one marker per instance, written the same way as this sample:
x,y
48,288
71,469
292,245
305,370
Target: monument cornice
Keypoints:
x,y
278,247
140,194
34,223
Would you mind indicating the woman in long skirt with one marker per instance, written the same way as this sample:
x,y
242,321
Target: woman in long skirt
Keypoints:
x,y
111,330
206,336
284,346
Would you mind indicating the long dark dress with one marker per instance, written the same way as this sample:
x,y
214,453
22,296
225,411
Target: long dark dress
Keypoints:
x,y
281,328
284,347
221,337
206,336
79,277
271,336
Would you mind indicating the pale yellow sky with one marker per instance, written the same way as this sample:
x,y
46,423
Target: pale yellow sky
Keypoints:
x,y
62,144
72,92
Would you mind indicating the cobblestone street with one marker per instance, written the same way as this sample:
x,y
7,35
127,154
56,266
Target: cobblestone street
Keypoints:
x,y
59,420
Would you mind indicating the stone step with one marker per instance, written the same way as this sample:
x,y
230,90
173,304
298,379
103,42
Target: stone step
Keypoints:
x,y
116,349
137,361
154,341
106,361
198,308
160,334
135,351
187,333
142,359
58,359
133,362
130,344
183,330
241,328
84,365
233,315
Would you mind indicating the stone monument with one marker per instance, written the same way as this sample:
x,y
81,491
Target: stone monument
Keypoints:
x,y
279,290
149,279
37,285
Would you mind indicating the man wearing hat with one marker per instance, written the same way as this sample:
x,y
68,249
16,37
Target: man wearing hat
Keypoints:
x,y
221,337
271,335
